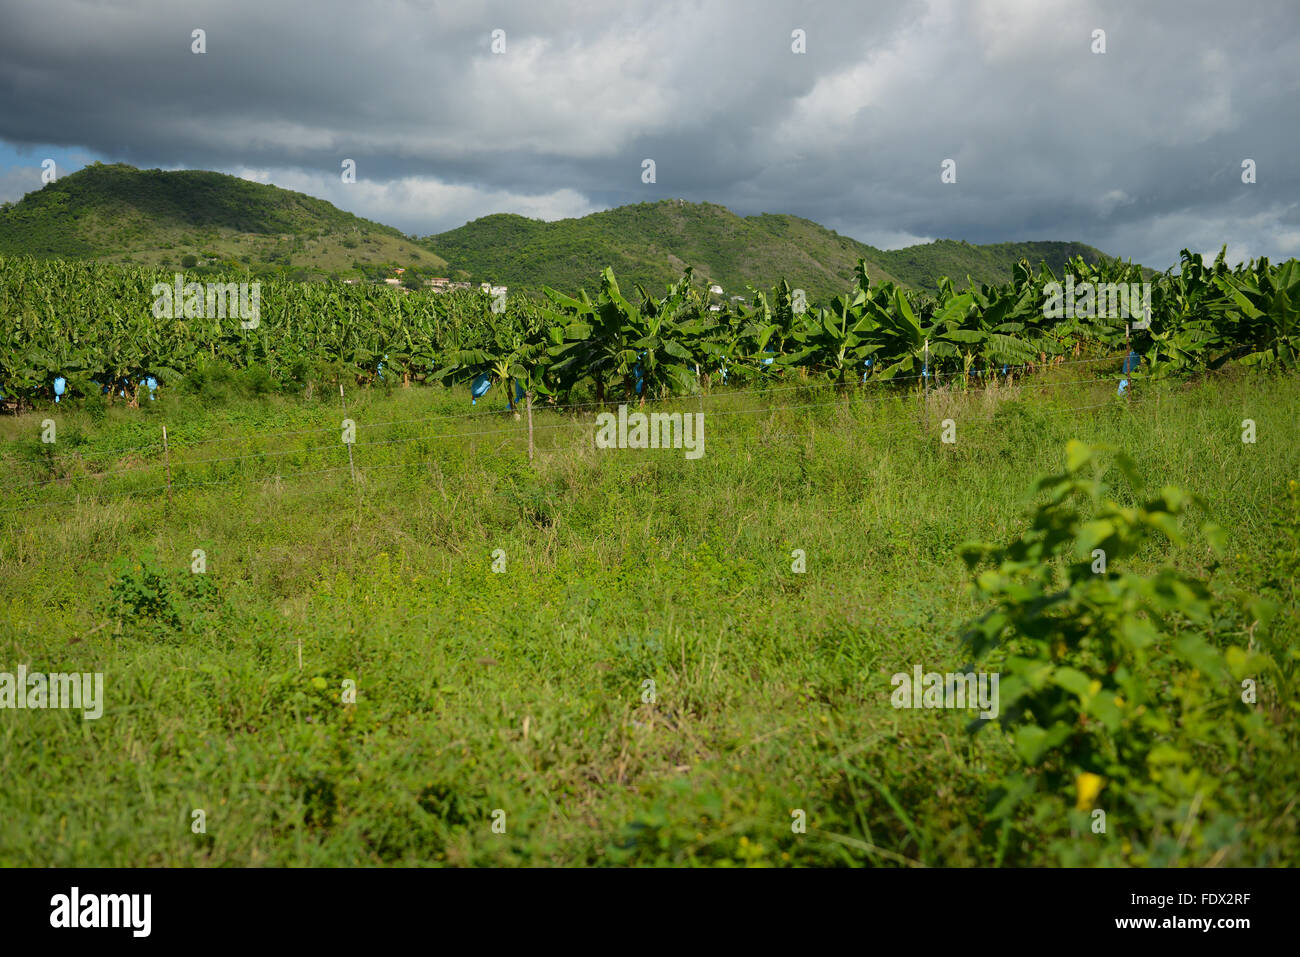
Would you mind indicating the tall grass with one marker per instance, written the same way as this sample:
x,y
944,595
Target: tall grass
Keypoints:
x,y
525,691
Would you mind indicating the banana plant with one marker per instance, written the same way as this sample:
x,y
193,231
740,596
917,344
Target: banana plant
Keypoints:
x,y
90,324
1264,310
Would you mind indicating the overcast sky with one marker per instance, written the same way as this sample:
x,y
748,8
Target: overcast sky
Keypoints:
x,y
1137,151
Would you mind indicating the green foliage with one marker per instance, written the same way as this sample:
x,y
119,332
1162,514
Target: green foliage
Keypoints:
x,y
524,690
1118,689
146,600
94,325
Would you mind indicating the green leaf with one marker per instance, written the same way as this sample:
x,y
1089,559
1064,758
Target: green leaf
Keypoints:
x,y
1198,653
1216,535
1166,523
1105,709
1092,534
1077,455
1138,633
1011,795
1073,681
1030,743
1167,754
913,327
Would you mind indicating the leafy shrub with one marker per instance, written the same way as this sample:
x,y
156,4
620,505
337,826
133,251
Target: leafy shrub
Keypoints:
x,y
147,600
1278,572
1117,689
522,489
316,699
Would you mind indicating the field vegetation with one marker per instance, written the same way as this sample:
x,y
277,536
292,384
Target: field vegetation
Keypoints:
x,y
430,647
524,690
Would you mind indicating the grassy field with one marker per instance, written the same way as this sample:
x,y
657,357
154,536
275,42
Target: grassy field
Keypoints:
x,y
520,697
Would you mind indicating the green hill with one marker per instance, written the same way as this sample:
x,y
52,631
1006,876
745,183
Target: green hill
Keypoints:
x,y
123,214
923,266
652,242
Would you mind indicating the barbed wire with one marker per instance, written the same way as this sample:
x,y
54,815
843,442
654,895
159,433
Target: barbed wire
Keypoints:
x,y
985,374
264,454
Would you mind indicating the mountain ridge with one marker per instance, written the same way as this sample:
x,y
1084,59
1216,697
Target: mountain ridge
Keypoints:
x,y
651,243
116,212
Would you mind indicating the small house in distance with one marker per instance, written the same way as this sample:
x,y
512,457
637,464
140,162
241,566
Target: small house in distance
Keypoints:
x,y
716,289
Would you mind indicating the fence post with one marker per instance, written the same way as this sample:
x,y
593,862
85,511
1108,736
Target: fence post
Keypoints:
x,y
351,465
925,380
1128,383
167,455
528,403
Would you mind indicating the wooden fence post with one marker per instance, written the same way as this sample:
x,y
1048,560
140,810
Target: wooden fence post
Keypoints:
x,y
528,403
1128,384
925,384
351,464
167,455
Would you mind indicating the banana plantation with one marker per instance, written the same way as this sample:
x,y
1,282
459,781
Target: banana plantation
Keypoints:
x,y
71,328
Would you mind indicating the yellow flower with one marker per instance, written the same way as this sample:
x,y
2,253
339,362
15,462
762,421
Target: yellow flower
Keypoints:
x,y
1087,785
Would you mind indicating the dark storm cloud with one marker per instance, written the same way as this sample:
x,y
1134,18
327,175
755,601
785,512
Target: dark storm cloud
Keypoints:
x,y
1137,151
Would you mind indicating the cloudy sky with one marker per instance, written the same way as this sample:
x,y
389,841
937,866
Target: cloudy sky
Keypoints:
x,y
1137,150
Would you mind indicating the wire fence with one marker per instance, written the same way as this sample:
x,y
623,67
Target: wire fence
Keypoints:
x,y
165,457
